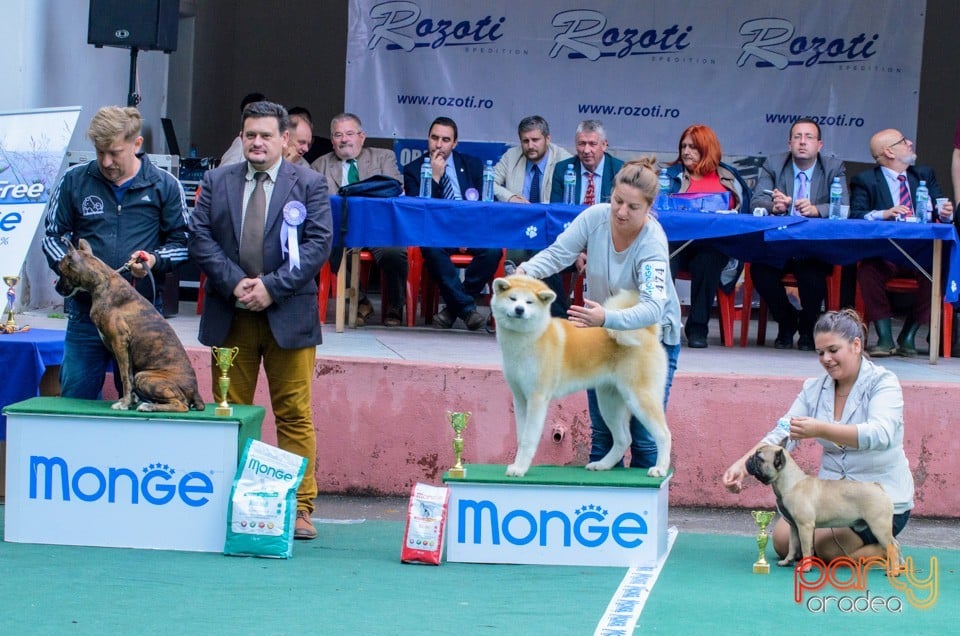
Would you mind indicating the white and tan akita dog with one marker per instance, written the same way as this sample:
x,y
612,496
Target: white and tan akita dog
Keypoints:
x,y
545,358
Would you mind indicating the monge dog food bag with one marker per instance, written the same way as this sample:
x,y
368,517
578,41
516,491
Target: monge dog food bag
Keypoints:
x,y
426,519
263,503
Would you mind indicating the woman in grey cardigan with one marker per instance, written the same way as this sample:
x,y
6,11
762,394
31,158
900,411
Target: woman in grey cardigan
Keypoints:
x,y
855,412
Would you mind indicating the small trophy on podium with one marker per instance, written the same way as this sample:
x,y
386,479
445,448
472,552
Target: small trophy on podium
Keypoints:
x,y
11,281
762,518
458,421
224,357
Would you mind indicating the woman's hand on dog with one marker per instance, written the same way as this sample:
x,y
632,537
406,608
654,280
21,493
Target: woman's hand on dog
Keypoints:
x,y
591,314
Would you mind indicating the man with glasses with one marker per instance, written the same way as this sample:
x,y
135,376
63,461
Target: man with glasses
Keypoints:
x,y
348,163
887,193
798,182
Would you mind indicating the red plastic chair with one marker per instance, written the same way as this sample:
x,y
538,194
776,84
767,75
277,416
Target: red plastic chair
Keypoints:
x,y
430,292
788,280
728,311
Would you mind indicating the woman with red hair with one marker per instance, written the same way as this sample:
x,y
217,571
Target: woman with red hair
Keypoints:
x,y
698,170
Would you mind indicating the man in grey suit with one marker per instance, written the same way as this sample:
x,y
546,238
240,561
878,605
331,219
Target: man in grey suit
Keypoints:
x,y
524,174
261,231
350,162
797,182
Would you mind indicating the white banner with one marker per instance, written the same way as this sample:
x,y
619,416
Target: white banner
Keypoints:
x,y
32,145
647,70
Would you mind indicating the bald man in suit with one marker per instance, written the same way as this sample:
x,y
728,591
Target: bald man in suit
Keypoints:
x,y
351,161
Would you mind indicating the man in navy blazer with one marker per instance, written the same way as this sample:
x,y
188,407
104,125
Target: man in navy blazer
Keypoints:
x,y
887,193
455,176
271,313
592,158
804,167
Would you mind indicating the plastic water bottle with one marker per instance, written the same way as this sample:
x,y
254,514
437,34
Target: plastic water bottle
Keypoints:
x,y
664,180
836,194
488,175
570,186
923,202
426,179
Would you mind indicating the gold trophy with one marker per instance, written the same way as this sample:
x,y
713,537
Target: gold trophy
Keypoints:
x,y
459,422
762,517
11,281
224,358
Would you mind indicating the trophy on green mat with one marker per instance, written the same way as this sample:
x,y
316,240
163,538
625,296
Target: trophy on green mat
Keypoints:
x,y
762,518
458,421
224,357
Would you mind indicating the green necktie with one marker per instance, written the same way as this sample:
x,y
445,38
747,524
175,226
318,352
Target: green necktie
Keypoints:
x,y
353,175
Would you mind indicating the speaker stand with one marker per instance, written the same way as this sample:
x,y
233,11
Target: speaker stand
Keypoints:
x,y
133,98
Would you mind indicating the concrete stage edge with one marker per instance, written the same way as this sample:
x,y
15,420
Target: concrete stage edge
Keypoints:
x,y
382,427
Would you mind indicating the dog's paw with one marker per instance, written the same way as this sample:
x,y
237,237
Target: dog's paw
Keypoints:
x,y
120,405
146,406
513,470
785,562
597,466
657,471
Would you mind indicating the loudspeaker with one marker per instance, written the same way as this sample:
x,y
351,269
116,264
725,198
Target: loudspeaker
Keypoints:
x,y
148,25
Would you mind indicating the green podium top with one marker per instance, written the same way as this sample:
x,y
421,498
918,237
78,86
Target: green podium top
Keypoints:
x,y
249,418
618,477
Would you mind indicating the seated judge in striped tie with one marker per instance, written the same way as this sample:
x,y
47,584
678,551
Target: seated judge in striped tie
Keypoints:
x,y
887,193
524,174
455,176
350,161
594,166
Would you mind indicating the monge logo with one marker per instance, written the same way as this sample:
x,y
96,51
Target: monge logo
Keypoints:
x,y
585,33
157,483
399,26
273,472
773,43
589,526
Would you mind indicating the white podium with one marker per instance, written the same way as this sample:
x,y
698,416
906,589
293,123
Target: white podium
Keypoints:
x,y
557,515
80,473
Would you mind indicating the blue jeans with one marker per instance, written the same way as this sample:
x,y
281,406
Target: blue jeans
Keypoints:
x,y
643,450
85,358
459,296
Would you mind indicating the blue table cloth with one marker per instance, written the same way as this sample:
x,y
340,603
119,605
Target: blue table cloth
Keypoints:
x,y
25,356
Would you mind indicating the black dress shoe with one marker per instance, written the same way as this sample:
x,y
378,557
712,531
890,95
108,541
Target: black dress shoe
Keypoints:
x,y
444,319
474,320
805,343
783,342
697,342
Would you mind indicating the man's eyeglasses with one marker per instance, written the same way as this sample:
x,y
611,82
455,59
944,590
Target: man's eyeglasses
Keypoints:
x,y
897,143
350,134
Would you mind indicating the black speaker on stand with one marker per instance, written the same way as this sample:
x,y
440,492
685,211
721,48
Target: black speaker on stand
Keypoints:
x,y
138,25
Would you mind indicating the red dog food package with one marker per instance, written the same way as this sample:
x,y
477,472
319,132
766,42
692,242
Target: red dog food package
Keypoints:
x,y
426,520
261,514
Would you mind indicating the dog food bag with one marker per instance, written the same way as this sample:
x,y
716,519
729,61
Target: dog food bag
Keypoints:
x,y
426,520
263,502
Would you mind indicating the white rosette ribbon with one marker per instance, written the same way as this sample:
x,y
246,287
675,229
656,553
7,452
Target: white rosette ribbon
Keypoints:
x,y
294,213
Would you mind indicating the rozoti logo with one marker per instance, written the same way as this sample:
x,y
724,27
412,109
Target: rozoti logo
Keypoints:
x,y
773,43
586,34
844,574
589,527
399,26
157,483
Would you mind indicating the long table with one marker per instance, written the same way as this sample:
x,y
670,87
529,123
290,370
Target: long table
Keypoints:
x,y
412,221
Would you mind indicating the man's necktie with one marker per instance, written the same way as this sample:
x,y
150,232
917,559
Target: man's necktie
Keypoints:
x,y
801,191
590,197
535,185
353,175
905,199
449,192
251,237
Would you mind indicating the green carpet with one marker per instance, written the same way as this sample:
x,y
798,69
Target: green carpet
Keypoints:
x,y
350,581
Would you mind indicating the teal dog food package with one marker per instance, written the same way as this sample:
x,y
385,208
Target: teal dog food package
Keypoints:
x,y
263,502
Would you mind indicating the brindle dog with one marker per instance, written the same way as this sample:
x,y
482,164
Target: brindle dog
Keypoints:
x,y
154,367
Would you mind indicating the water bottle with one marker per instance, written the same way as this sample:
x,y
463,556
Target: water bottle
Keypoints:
x,y
836,194
570,186
923,202
426,179
488,175
664,180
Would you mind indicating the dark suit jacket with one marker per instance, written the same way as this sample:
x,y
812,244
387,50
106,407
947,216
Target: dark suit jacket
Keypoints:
x,y
869,191
469,174
776,171
611,166
215,247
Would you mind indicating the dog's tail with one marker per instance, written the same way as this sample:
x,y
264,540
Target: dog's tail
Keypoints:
x,y
624,299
